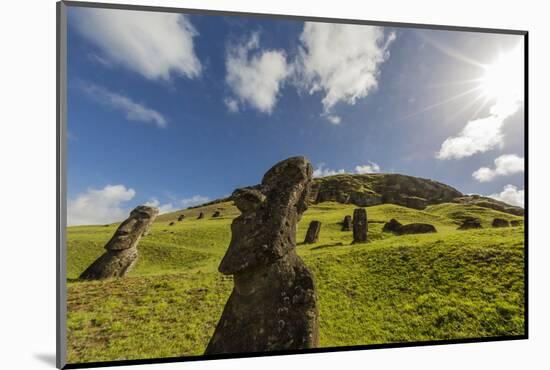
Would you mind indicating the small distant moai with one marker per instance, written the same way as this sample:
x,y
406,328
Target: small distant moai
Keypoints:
x,y
171,223
346,224
217,214
273,305
312,235
201,215
360,225
500,222
181,217
122,252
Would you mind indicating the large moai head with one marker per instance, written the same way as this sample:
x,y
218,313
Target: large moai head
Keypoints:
x,y
266,229
130,231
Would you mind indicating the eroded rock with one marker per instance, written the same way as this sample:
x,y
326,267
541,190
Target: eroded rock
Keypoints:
x,y
500,222
122,252
416,228
273,305
392,226
470,223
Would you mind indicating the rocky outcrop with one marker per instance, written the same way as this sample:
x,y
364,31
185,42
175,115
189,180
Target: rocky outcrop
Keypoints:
x,y
392,226
500,222
516,223
346,223
122,253
312,234
360,225
397,228
470,223
273,305
485,202
416,228
372,189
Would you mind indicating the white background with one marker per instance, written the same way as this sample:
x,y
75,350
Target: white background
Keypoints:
x,y
27,185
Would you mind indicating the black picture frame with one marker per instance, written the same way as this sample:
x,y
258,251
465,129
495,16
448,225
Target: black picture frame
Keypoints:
x,y
61,186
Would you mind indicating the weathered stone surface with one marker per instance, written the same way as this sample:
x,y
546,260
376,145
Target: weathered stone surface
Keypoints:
x,y
516,223
500,222
201,215
376,188
486,202
416,228
273,303
392,226
181,217
346,223
312,234
360,225
216,214
122,253
470,223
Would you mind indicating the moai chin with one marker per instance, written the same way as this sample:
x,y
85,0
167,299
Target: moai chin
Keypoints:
x,y
273,305
122,253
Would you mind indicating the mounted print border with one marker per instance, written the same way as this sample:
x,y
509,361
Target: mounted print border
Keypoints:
x,y
260,228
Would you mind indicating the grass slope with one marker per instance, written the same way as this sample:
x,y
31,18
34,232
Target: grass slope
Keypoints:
x,y
451,284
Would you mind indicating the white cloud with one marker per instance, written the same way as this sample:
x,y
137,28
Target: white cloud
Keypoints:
x,y
507,164
193,201
154,44
255,76
511,195
232,105
99,206
322,171
343,61
478,136
163,208
371,167
132,110
335,120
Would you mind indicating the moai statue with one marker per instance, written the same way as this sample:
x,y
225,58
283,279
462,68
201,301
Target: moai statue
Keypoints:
x,y
216,214
273,305
181,217
312,234
122,253
360,225
346,223
201,215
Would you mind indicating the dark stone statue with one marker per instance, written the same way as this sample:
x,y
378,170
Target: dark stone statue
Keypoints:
x,y
122,253
273,305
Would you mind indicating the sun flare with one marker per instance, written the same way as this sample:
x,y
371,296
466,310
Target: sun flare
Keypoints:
x,y
503,79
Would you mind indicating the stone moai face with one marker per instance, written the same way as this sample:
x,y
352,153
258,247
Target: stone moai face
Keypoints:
x,y
130,231
265,230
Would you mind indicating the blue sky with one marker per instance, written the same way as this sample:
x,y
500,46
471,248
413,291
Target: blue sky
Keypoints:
x,y
173,110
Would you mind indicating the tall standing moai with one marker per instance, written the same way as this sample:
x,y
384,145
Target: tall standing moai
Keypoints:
x,y
346,223
122,252
273,305
312,234
360,225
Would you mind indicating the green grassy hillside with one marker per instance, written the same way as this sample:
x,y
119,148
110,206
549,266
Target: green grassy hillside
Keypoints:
x,y
451,284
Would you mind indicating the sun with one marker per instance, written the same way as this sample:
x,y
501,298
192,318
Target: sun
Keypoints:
x,y
503,79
